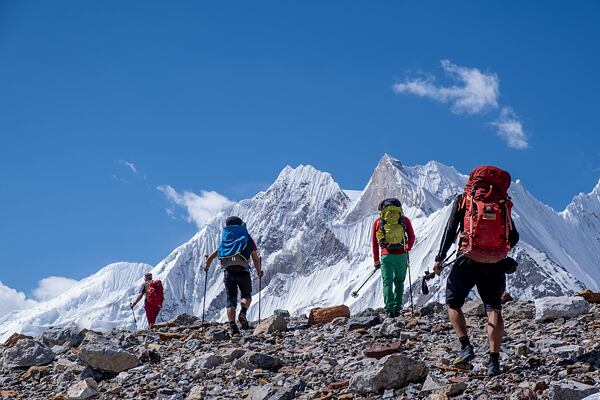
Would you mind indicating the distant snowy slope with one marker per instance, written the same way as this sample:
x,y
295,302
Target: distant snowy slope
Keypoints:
x,y
314,239
86,304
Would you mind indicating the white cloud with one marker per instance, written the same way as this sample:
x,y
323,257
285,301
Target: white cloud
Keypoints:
x,y
52,286
200,208
12,300
475,93
509,127
129,165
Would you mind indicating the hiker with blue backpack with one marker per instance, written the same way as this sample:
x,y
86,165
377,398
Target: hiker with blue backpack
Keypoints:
x,y
234,253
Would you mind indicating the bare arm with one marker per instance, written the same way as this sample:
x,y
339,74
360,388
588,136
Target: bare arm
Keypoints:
x,y
257,263
210,259
137,300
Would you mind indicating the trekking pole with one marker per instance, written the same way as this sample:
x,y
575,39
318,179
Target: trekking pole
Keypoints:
x,y
204,299
259,290
431,275
412,305
355,293
134,320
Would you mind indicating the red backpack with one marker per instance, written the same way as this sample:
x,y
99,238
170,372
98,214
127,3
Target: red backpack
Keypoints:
x,y
487,220
154,293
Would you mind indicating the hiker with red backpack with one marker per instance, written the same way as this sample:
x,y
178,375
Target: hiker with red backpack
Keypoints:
x,y
153,290
234,252
393,237
481,219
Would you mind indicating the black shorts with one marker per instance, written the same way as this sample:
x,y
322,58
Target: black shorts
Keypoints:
x,y
233,281
490,280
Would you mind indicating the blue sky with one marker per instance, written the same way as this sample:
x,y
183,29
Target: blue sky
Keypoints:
x,y
103,102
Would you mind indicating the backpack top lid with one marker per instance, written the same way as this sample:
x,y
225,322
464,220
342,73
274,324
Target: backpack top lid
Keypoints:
x,y
233,220
483,177
390,202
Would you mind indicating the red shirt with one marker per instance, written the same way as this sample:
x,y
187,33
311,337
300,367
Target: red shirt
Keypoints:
x,y
409,231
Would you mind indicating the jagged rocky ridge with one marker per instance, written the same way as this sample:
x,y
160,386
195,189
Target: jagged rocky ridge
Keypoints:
x,y
315,244
551,350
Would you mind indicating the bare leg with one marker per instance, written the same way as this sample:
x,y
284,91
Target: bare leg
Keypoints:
x,y
246,303
457,319
231,314
495,330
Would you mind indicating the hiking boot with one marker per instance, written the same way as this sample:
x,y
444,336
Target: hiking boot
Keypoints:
x,y
233,329
493,369
243,321
466,355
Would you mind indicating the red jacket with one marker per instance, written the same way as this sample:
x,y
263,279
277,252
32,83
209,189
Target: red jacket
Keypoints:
x,y
409,232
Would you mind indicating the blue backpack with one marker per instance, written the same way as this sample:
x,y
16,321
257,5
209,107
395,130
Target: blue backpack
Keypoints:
x,y
235,248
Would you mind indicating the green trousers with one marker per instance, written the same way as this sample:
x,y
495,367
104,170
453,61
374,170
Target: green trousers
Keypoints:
x,y
393,272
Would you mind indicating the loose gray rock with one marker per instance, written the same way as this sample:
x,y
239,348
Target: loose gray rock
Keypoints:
x,y
260,392
391,372
475,308
252,360
85,389
183,320
551,308
216,335
363,321
569,351
196,393
571,390
208,361
272,324
108,357
282,313
431,308
391,327
71,336
27,353
228,355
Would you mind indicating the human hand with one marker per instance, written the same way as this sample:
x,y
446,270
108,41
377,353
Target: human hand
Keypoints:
x,y
377,264
437,268
260,273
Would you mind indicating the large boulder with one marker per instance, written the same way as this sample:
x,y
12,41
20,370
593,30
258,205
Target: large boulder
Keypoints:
x,y
83,390
274,323
589,296
252,360
325,315
27,353
391,372
59,336
108,357
475,308
571,390
551,308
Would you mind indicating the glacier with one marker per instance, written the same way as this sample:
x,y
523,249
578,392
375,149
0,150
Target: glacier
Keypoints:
x,y
314,239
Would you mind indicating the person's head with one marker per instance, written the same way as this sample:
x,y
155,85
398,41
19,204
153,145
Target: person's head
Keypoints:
x,y
234,221
148,277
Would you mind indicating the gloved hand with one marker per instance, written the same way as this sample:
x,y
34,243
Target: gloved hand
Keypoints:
x,y
131,305
377,264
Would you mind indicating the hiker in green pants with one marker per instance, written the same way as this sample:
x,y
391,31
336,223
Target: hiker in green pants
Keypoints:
x,y
389,238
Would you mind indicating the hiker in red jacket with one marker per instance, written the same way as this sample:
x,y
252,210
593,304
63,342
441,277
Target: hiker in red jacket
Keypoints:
x,y
153,290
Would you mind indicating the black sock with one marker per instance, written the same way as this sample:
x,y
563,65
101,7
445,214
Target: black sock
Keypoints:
x,y
464,341
232,323
243,310
495,358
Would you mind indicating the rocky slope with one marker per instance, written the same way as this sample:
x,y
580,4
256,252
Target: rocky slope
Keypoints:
x,y
551,350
